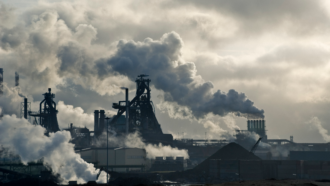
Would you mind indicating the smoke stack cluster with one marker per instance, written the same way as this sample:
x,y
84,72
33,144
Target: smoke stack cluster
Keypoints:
x,y
99,117
258,127
256,124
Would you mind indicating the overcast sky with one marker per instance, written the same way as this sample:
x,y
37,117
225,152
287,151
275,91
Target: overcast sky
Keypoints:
x,y
211,63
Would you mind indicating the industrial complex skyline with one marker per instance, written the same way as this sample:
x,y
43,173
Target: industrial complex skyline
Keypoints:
x,y
266,58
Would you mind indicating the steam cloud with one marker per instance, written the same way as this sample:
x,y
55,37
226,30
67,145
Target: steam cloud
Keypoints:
x,y
10,100
62,52
161,60
317,123
134,141
30,143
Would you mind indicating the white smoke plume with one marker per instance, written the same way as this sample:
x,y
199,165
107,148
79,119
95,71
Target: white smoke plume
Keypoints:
x,y
77,116
317,124
161,59
56,48
11,100
69,114
30,143
134,140
216,132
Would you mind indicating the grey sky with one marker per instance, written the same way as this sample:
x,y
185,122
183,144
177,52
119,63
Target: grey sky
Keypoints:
x,y
275,52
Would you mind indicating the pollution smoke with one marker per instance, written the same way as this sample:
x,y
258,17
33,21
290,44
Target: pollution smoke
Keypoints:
x,y
317,124
71,55
10,100
134,140
178,79
30,143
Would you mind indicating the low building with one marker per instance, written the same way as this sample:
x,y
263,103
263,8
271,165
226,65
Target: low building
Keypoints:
x,y
310,155
168,164
119,159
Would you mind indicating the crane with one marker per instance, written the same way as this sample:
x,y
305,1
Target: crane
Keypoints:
x,y
255,146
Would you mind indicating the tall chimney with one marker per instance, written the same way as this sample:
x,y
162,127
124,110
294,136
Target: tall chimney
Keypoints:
x,y
96,121
101,124
1,81
16,79
25,108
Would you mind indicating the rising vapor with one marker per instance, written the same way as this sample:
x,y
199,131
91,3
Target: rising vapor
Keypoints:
x,y
317,124
161,60
56,51
30,143
134,140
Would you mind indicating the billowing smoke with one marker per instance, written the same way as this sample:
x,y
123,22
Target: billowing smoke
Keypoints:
x,y
178,79
11,100
69,114
216,132
56,50
324,132
135,141
30,143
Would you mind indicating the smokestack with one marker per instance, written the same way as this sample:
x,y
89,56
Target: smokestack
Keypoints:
x,y
16,79
25,108
101,124
96,121
1,81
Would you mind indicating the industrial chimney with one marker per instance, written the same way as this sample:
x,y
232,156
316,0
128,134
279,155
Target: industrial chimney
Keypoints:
x,y
102,118
96,121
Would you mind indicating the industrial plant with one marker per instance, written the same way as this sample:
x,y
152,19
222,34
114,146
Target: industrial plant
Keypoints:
x,y
250,157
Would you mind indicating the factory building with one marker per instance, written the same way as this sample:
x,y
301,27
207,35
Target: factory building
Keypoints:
x,y
119,159
168,164
310,155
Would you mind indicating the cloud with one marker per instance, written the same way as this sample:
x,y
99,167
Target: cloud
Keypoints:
x,y
274,52
297,18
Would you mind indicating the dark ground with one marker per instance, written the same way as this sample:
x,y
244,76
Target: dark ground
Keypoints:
x,y
139,182
277,183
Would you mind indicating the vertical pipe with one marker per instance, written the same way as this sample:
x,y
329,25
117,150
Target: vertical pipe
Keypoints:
x,y
258,124
96,121
263,124
107,152
25,108
101,122
127,111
